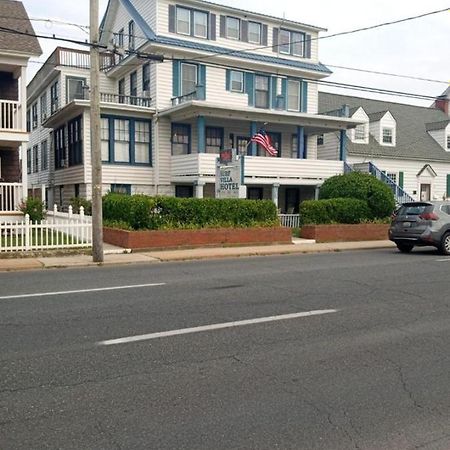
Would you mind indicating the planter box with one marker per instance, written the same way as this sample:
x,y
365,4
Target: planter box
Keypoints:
x,y
196,238
346,232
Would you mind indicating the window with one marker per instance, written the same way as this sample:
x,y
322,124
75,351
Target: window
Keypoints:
x,y
75,141
142,142
392,176
44,155
214,139
387,136
146,78
43,102
261,91
133,88
236,81
126,141
291,43
320,139
35,158
184,191
34,116
360,132
183,21
448,142
200,24
60,147
54,97
75,88
121,90
188,78
242,145
275,139
294,146
255,193
181,139
28,121
121,189
233,28
29,160
120,42
131,39
254,33
293,94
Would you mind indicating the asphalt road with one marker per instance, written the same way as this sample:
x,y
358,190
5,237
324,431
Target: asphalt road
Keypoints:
x,y
369,369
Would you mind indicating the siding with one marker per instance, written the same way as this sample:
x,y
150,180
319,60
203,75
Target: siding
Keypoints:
x,y
330,147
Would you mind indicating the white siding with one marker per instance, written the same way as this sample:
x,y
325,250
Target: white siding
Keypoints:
x,y
360,114
330,147
440,136
376,129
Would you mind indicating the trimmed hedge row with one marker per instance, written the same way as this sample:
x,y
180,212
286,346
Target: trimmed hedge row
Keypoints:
x,y
335,210
140,212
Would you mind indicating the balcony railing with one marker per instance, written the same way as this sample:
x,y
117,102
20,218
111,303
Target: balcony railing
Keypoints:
x,y
10,196
125,99
10,118
198,94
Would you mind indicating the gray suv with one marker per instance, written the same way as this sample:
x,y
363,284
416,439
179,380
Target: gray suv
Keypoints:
x,y
421,223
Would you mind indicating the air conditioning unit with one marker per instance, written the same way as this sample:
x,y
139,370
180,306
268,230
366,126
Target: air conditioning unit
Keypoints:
x,y
146,94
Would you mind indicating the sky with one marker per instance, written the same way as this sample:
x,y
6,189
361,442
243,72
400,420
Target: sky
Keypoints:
x,y
417,48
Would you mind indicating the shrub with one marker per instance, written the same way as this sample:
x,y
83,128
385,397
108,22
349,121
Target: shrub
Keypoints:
x,y
143,212
34,207
335,210
76,202
377,194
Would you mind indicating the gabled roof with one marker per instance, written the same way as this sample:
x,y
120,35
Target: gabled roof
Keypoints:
x,y
14,17
377,116
437,125
429,168
412,141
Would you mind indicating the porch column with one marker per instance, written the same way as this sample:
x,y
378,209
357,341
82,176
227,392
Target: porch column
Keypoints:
x,y
43,194
275,188
300,142
342,145
316,192
253,131
24,179
201,134
23,98
199,186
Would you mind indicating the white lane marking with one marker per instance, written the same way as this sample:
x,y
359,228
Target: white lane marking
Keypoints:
x,y
215,326
80,291
443,260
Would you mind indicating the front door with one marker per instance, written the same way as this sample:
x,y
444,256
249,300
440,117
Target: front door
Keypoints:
x,y
425,192
292,201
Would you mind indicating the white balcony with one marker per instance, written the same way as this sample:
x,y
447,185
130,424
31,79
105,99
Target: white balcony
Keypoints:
x,y
257,170
10,197
10,117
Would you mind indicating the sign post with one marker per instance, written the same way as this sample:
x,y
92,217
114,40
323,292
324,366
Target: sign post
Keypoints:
x,y
229,175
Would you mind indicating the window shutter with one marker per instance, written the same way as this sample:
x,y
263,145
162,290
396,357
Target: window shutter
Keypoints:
x,y
308,46
212,27
304,100
222,26
228,80
284,92
275,40
176,78
448,185
400,179
201,90
244,31
264,35
250,88
274,92
172,19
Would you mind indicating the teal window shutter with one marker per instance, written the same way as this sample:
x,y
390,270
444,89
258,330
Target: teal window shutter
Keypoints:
x,y
284,92
304,107
401,177
176,69
448,185
250,88
201,90
274,92
228,80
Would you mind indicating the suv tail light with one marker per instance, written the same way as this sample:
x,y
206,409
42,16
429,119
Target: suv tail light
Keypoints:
x,y
429,216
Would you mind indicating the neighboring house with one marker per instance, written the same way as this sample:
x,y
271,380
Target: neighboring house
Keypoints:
x,y
15,51
226,73
410,145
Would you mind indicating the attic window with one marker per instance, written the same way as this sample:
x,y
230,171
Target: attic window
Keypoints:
x,y
360,133
448,141
387,136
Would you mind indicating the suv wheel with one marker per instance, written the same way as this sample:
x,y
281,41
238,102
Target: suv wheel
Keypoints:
x,y
444,247
406,248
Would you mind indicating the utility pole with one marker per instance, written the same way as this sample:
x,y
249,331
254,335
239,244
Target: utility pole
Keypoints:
x,y
96,161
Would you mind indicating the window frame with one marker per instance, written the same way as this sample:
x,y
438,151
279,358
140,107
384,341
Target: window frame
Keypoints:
x,y
43,106
59,137
54,97
241,74
267,105
186,128
35,158
448,142
189,27
29,161
121,90
75,141
197,12
182,90
219,136
133,87
70,79
258,41
299,94
131,36
146,77
292,41
239,28
384,135
34,115
44,154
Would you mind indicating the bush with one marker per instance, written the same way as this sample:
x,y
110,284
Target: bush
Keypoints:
x,y
377,194
76,202
335,210
143,212
34,207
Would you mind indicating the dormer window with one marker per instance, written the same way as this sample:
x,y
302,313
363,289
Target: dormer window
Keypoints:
x,y
448,142
291,43
183,21
200,24
191,22
360,133
388,136
233,28
254,32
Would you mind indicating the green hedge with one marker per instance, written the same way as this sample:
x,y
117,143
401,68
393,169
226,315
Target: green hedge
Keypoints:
x,y
335,210
143,212
378,195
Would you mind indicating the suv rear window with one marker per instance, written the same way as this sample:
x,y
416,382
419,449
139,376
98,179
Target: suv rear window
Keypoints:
x,y
414,210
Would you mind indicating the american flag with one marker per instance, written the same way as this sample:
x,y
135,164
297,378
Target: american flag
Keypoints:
x,y
263,139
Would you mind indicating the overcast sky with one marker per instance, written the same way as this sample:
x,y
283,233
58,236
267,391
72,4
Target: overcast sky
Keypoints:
x,y
417,48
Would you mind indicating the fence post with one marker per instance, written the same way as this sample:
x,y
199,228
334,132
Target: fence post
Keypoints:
x,y
27,232
70,211
82,213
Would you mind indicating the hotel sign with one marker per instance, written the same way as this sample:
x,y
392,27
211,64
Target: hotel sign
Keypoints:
x,y
228,175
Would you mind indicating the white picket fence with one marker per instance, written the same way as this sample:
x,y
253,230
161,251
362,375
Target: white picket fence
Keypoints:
x,y
289,220
69,231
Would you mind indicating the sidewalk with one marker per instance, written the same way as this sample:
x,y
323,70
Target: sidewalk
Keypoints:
x,y
116,255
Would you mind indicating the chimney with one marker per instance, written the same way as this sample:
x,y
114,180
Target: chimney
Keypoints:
x,y
443,102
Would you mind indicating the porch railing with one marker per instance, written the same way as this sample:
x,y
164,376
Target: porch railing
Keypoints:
x,y
289,220
10,115
10,196
125,99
